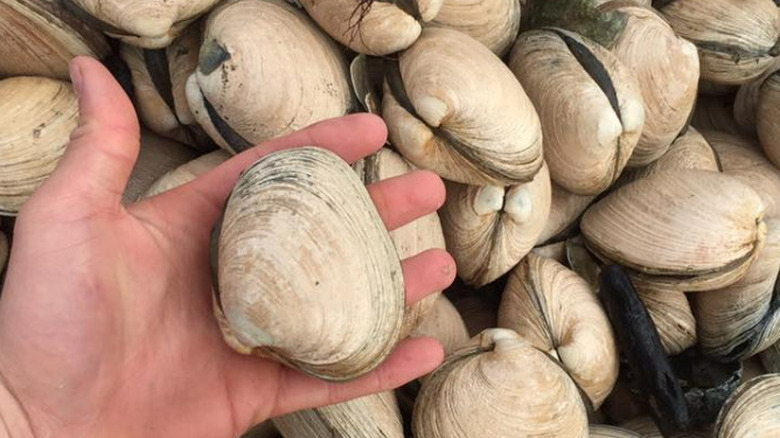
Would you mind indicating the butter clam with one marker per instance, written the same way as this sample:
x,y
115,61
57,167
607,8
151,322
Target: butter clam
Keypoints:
x,y
453,107
589,104
489,229
752,410
556,311
494,23
265,70
499,386
37,116
278,292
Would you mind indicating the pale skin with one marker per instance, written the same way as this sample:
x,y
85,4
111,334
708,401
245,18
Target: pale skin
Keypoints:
x,y
106,326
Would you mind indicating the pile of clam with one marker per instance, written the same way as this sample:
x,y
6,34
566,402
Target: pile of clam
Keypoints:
x,y
613,196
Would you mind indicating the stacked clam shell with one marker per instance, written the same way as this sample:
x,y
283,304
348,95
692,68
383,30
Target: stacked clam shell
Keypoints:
x,y
613,195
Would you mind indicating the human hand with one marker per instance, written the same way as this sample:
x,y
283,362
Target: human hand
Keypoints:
x,y
105,320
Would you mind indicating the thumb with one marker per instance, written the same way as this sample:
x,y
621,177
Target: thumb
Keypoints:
x,y
103,149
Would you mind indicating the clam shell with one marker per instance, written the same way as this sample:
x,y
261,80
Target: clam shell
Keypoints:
x,y
672,315
556,311
770,358
494,23
735,39
365,417
691,228
411,239
41,37
443,323
307,272
751,368
746,100
187,172
499,386
157,157
37,116
489,229
667,70
645,427
604,431
145,23
589,104
767,114
265,70
373,27
565,209
752,410
453,107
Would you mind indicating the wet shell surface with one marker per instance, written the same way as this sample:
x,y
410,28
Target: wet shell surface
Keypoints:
x,y
146,23
265,70
41,37
589,104
307,272
445,324
667,70
556,311
37,116
373,27
752,410
692,228
187,172
489,229
494,23
372,416
499,386
767,114
157,157
453,107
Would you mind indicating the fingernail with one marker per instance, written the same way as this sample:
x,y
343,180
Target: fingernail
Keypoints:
x,y
75,77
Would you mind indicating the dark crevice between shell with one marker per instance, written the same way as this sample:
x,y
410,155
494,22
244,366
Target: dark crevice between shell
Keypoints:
x,y
660,4
639,342
233,138
157,65
214,258
395,81
411,7
93,21
57,9
121,72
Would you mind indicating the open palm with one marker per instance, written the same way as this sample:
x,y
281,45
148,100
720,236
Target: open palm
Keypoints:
x,y
105,319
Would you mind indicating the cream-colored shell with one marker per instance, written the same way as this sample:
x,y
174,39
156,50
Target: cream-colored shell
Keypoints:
x,y
671,313
151,24
565,209
371,416
372,27
587,142
474,124
767,115
187,172
753,410
735,38
41,37
37,116
411,239
646,427
444,324
499,386
746,100
157,157
692,228
307,271
605,431
494,23
489,229
667,70
267,70
555,310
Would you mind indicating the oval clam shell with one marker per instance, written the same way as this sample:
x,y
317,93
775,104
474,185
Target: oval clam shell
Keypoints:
x,y
37,116
307,272
752,410
494,23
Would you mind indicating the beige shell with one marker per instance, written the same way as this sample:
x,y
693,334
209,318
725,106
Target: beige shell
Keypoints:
x,y
460,112
605,431
741,319
695,229
489,229
307,271
565,209
152,24
413,238
37,116
753,410
746,100
741,158
735,39
265,70
41,37
672,315
157,157
371,416
187,172
667,70
767,115
714,113
499,386
556,311
589,104
159,84
494,23
373,27
646,427
445,324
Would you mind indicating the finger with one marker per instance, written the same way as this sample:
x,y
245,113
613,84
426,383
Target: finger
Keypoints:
x,y
410,360
428,272
103,148
402,199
